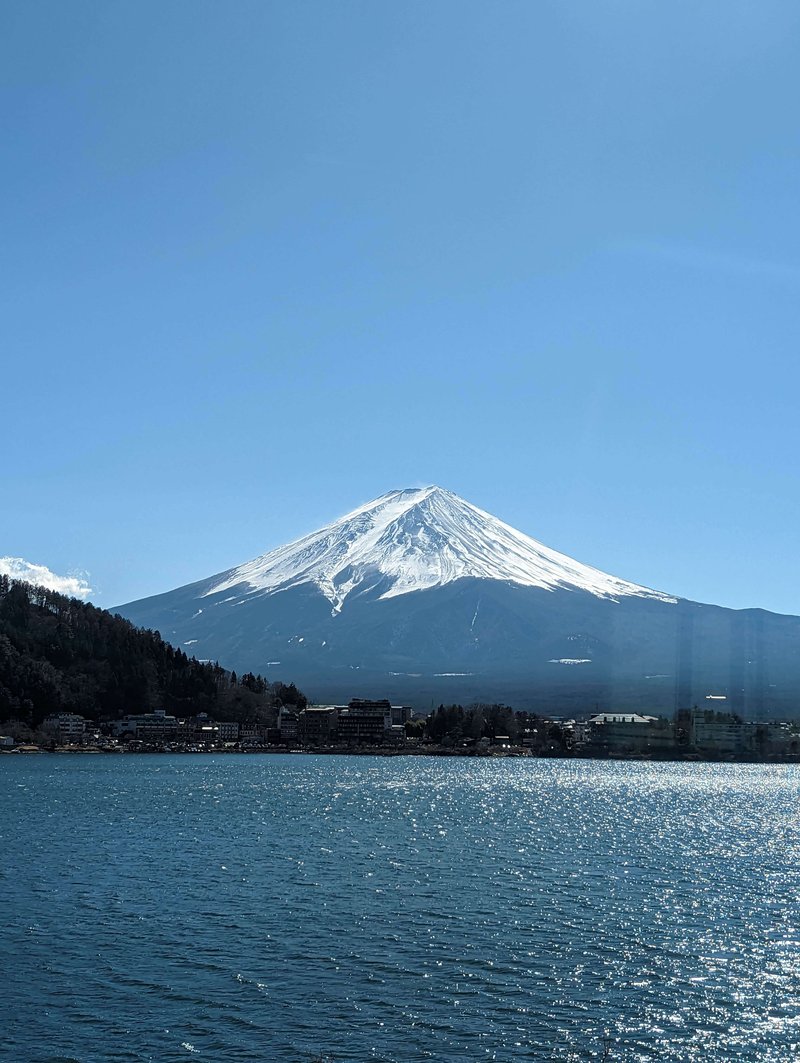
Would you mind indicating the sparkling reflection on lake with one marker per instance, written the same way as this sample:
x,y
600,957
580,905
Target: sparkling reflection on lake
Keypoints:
x,y
259,908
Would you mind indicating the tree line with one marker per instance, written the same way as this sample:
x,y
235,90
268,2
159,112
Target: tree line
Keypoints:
x,y
454,725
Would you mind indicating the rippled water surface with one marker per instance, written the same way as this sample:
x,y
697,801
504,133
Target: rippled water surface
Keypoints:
x,y
344,908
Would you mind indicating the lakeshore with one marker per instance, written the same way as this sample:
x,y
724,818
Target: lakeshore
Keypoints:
x,y
511,753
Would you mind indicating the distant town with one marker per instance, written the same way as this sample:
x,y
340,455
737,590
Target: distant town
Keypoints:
x,y
364,726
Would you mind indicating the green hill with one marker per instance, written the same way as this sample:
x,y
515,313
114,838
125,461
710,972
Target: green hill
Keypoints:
x,y
58,654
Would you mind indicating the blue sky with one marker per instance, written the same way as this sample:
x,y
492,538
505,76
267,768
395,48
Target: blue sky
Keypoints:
x,y
264,261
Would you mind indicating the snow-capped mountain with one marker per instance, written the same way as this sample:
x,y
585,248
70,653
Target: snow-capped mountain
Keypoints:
x,y
420,595
414,540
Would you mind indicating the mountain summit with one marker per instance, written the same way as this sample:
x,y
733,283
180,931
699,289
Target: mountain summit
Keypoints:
x,y
413,540
421,596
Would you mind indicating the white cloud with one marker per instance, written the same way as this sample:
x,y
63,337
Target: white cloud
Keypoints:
x,y
74,585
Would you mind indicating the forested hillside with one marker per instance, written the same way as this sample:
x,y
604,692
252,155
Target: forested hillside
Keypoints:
x,y
59,654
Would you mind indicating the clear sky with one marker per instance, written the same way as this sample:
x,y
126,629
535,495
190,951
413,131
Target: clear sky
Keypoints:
x,y
265,261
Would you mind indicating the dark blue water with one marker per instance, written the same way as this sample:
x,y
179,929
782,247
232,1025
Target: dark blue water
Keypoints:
x,y
298,908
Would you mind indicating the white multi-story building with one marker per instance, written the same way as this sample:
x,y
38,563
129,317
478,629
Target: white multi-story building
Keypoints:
x,y
66,727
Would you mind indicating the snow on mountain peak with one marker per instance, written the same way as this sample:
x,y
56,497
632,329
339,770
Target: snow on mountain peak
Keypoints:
x,y
414,539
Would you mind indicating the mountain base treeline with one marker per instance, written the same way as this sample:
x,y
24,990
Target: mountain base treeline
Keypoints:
x,y
58,654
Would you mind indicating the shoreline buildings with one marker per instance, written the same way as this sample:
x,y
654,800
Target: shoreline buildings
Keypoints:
x,y
700,734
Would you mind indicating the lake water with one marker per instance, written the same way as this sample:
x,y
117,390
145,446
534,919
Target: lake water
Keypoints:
x,y
271,908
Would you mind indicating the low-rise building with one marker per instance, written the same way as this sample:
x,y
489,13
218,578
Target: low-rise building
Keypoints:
x,y
718,733
252,733
630,732
400,715
288,723
776,738
200,730
228,731
148,726
67,728
396,734
580,731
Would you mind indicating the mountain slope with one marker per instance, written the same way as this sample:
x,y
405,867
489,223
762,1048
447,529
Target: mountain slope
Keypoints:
x,y
413,540
422,596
